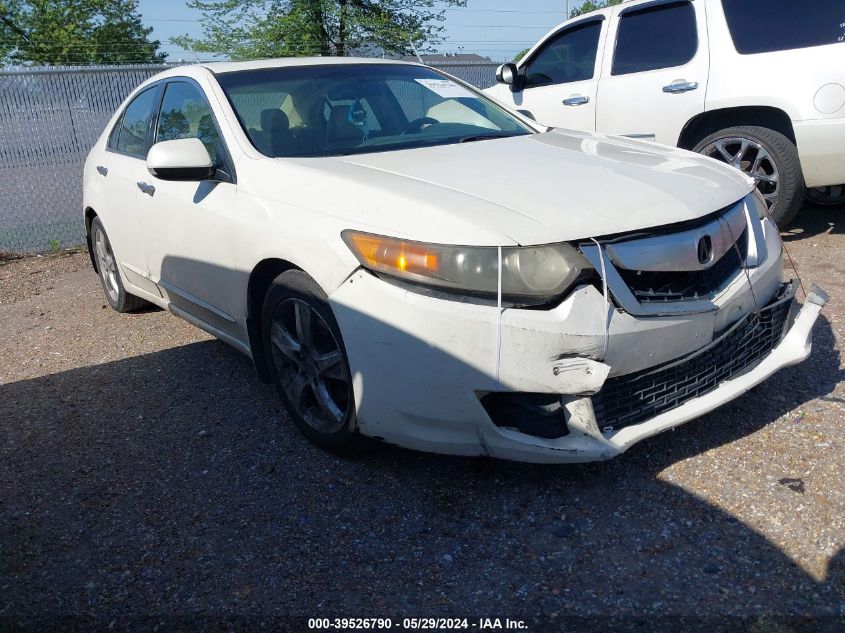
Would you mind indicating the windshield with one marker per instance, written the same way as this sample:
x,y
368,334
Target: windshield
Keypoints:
x,y
335,110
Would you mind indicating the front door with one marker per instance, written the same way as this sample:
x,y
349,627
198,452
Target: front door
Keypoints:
x,y
561,78
189,226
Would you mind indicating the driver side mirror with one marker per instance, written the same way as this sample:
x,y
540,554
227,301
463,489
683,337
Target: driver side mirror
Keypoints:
x,y
509,74
181,159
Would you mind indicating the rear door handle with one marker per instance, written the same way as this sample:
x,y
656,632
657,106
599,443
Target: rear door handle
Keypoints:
x,y
104,171
146,188
676,87
576,100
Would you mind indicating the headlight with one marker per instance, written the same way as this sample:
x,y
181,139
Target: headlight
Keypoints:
x,y
532,274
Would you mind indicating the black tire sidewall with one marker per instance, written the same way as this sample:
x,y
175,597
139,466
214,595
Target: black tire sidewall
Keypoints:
x,y
120,304
784,154
295,284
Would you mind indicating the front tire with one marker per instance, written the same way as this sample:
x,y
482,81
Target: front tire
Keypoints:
x,y
116,295
767,156
308,361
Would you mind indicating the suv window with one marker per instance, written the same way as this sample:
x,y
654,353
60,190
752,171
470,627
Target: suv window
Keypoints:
x,y
784,24
135,124
657,37
185,113
566,57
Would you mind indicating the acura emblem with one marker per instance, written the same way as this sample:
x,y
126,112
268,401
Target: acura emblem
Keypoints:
x,y
705,250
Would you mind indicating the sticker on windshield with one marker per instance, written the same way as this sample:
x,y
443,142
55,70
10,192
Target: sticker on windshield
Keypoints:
x,y
444,88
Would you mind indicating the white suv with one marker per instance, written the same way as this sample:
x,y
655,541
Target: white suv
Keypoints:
x,y
759,89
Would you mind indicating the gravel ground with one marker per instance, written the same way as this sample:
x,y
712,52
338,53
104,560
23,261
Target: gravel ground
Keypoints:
x,y
148,479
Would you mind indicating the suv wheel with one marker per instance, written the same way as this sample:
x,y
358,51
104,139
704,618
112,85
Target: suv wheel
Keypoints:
x,y
768,157
308,360
833,196
116,294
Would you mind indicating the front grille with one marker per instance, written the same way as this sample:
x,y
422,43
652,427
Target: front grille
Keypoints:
x,y
634,398
660,286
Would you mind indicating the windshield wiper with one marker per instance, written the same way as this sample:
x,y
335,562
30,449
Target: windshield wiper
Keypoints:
x,y
484,137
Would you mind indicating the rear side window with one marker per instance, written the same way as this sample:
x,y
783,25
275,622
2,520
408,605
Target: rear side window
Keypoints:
x,y
568,56
784,24
657,37
132,135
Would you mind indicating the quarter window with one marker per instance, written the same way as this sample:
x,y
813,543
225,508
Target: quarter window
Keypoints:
x,y
185,113
568,56
663,36
784,24
135,125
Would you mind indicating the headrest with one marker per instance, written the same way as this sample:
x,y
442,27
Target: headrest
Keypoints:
x,y
274,120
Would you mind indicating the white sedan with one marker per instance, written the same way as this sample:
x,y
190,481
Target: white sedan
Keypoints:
x,y
408,261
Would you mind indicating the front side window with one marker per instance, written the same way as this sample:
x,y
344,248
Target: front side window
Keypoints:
x,y
135,124
185,113
568,56
663,36
339,109
784,24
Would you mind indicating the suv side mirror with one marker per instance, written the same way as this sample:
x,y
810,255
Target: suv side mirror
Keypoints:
x,y
508,74
182,159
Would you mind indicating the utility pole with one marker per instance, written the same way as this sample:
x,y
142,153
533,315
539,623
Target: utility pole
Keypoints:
x,y
566,9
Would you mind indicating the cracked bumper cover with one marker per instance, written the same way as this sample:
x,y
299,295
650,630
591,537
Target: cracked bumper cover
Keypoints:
x,y
420,364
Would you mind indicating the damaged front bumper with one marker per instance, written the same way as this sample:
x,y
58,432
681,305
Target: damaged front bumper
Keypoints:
x,y
423,367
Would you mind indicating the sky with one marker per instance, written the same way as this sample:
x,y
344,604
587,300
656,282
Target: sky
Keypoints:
x,y
493,28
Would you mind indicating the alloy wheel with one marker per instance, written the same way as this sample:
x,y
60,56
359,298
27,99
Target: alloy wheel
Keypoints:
x,y
107,265
310,364
751,158
832,196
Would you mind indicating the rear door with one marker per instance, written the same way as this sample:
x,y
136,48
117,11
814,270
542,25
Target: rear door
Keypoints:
x,y
123,167
656,77
561,78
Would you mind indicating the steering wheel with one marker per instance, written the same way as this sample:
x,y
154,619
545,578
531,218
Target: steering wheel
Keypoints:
x,y
417,124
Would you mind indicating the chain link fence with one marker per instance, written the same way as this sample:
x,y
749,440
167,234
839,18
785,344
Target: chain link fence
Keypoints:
x,y
50,117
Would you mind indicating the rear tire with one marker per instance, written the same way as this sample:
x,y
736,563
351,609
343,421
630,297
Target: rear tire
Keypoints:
x,y
107,269
827,197
308,363
767,156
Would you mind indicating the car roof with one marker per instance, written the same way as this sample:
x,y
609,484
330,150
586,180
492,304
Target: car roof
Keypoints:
x,y
284,62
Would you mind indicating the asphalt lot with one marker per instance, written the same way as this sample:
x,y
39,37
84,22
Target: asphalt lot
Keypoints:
x,y
147,476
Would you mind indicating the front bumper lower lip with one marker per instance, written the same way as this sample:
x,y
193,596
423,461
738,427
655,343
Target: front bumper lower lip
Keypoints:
x,y
586,443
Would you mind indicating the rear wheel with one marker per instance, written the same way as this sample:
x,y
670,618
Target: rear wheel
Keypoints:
x,y
307,357
833,196
767,156
116,294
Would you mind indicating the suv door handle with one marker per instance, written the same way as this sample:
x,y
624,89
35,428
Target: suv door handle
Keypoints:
x,y
104,171
676,87
576,100
147,189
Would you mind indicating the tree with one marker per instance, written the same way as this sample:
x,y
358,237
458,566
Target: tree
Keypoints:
x,y
75,32
592,5
520,55
243,29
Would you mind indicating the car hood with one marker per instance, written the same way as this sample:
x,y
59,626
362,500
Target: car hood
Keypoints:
x,y
535,189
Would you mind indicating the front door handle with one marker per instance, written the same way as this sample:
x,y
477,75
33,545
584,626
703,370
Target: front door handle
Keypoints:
x,y
679,86
104,171
576,100
146,188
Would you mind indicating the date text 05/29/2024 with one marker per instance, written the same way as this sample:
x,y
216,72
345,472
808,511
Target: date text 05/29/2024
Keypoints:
x,y
417,624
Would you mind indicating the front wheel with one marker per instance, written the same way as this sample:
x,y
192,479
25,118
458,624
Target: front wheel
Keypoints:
x,y
307,357
767,156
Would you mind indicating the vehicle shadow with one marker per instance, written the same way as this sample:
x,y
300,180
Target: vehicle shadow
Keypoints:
x,y
812,221
172,483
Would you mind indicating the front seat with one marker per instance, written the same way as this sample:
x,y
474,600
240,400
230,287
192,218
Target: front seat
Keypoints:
x,y
274,133
340,133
